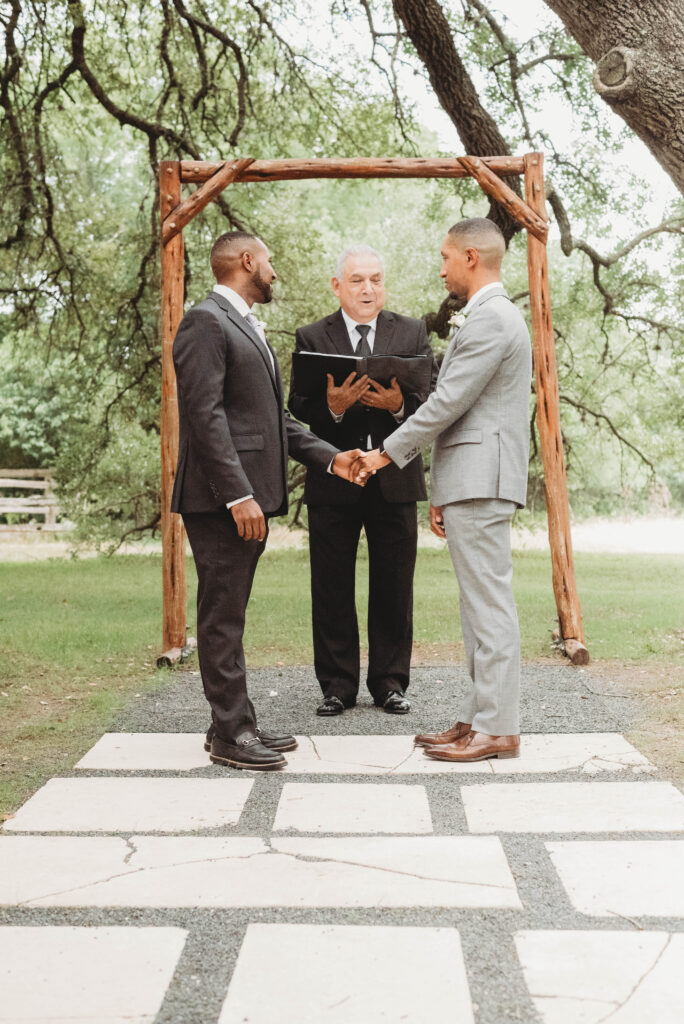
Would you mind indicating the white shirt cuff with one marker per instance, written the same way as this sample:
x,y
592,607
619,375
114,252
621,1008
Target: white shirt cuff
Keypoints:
x,y
229,504
399,414
337,416
330,466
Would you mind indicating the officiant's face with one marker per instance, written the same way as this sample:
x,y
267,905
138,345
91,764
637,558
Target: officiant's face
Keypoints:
x,y
361,289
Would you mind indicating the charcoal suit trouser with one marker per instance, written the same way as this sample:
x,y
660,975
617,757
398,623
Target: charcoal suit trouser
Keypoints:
x,y
225,571
391,532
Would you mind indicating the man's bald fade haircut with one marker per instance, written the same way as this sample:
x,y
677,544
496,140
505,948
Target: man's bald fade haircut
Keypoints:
x,y
481,234
226,250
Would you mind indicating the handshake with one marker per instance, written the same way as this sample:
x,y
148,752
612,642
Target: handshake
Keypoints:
x,y
358,466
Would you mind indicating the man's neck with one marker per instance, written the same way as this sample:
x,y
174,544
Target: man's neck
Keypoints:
x,y
240,288
481,283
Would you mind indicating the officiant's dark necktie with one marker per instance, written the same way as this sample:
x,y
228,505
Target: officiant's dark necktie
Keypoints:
x,y
363,348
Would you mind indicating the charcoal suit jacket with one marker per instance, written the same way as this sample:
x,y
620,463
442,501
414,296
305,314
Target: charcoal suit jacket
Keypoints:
x,y
394,335
234,435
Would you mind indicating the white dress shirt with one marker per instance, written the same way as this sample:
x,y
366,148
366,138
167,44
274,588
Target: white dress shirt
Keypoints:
x,y
355,338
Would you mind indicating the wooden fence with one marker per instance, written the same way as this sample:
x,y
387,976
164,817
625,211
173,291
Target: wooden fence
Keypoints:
x,y
37,499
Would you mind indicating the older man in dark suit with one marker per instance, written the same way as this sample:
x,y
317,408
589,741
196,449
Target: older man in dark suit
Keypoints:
x,y
232,477
360,414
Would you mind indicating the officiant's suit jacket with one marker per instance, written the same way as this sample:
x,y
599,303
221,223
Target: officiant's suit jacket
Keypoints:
x,y
394,335
234,435
477,418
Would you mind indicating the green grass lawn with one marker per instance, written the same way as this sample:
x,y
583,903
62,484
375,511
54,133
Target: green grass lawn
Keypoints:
x,y
78,638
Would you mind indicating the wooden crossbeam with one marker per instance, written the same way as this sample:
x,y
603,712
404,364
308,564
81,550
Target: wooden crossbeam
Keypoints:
x,y
492,185
357,167
182,214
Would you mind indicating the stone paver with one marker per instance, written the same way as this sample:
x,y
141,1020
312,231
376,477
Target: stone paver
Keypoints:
x,y
630,877
331,974
154,871
325,897
350,807
588,753
574,807
583,977
130,804
55,975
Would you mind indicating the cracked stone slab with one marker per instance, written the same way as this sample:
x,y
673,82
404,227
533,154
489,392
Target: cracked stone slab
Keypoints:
x,y
183,871
132,804
574,807
333,974
583,977
589,753
632,877
351,807
62,975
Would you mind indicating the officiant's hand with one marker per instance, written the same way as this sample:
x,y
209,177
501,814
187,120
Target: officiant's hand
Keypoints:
x,y
350,391
437,521
350,466
378,397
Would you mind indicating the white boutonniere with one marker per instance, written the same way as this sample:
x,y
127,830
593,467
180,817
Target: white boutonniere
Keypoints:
x,y
457,320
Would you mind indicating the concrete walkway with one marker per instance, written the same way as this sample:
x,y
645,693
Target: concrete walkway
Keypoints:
x,y
363,885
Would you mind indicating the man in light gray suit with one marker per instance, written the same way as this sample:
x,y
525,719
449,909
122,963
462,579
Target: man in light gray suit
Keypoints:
x,y
477,420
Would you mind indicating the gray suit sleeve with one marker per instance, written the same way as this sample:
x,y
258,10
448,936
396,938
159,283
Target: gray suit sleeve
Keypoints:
x,y
480,351
199,355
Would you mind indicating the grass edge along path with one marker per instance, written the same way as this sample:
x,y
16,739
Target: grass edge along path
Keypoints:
x,y
78,638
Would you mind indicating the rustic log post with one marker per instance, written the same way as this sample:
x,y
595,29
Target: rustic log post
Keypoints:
x,y
173,534
492,186
184,212
548,424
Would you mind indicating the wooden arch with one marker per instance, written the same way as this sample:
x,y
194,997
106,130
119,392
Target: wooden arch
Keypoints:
x,y
489,173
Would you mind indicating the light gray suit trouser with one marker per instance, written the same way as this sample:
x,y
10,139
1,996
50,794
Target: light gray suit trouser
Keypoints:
x,y
479,539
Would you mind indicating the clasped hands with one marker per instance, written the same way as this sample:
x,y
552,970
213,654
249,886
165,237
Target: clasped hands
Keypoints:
x,y
358,466
364,390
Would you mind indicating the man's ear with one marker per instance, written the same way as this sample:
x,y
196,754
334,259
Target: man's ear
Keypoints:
x,y
335,285
247,260
472,256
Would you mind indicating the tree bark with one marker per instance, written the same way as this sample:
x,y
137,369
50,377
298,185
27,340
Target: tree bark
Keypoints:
x,y
430,34
638,48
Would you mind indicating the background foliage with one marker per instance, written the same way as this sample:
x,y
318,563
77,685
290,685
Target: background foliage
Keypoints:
x,y
93,95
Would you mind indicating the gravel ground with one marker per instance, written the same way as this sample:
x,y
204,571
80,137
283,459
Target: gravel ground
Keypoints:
x,y
556,698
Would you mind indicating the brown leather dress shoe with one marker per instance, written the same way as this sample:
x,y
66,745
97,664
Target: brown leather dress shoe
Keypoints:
x,y
435,739
477,746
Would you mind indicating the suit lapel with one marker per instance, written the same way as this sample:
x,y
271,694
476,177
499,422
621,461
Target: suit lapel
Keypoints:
x,y
384,329
453,344
338,335
239,321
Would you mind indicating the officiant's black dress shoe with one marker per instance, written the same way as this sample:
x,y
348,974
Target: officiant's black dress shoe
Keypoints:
x,y
246,752
395,703
280,743
330,706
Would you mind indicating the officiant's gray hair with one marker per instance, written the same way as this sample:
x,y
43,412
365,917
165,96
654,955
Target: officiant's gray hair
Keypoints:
x,y
356,250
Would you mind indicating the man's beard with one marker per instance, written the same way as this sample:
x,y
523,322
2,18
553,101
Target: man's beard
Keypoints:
x,y
264,286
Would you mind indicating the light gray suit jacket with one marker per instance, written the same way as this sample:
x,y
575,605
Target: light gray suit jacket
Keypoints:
x,y
478,414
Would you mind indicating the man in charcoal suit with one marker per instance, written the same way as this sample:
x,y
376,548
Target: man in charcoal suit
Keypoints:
x,y
360,414
231,477
477,419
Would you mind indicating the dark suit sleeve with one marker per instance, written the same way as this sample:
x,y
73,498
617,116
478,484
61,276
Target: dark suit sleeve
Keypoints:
x,y
306,448
308,410
199,355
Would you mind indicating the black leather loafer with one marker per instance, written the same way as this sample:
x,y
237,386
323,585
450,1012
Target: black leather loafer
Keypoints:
x,y
330,706
248,752
280,743
396,704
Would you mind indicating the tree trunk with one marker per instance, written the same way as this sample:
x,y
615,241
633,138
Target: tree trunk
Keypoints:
x,y
430,33
638,48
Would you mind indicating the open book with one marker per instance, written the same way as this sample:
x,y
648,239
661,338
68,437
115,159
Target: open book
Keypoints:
x,y
310,370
